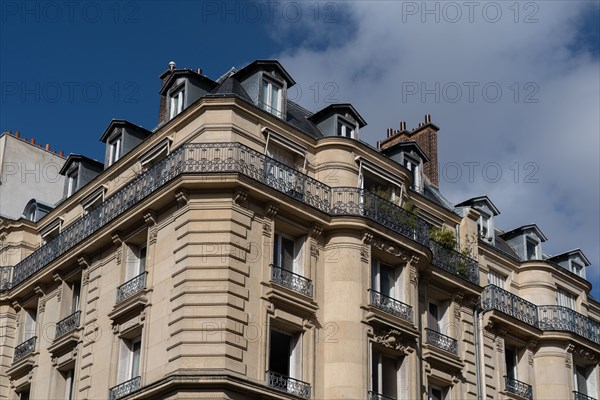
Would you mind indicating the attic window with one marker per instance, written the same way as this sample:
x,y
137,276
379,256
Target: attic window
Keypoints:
x,y
576,268
72,178
115,149
531,248
413,167
345,128
271,97
176,101
483,225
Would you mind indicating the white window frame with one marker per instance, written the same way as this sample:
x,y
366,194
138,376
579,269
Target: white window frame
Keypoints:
x,y
298,260
496,278
115,149
443,392
127,357
577,268
135,263
30,316
515,371
72,180
442,314
535,243
176,100
295,360
377,387
566,299
376,276
415,168
343,126
267,104
70,385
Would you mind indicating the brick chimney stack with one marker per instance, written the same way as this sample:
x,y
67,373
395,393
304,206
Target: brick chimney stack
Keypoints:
x,y
425,135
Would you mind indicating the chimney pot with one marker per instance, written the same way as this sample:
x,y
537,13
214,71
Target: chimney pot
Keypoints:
x,y
427,118
17,134
61,153
47,147
32,141
199,71
172,65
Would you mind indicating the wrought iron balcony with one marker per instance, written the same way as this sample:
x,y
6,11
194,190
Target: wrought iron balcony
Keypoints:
x,y
67,325
440,341
517,387
131,287
125,388
24,349
196,158
354,201
292,281
495,298
391,306
557,318
288,385
377,396
581,396
454,262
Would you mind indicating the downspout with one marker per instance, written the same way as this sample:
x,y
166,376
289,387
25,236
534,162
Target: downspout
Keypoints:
x,y
478,352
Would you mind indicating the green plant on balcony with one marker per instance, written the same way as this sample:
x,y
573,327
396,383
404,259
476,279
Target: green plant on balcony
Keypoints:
x,y
443,236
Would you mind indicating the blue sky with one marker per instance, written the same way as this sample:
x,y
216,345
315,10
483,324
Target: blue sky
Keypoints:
x,y
514,86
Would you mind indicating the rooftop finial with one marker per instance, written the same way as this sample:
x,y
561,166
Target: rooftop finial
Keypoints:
x,y
172,65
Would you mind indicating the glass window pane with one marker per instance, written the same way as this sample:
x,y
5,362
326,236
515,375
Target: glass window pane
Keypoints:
x,y
287,254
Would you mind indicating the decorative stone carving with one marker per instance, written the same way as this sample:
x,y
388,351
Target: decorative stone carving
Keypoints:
x,y
240,197
569,356
367,238
314,248
499,341
531,345
85,277
586,354
182,197
393,339
150,217
316,230
116,238
271,210
413,274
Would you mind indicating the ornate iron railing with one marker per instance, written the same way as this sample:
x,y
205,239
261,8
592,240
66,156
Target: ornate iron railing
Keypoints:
x,y
288,385
225,157
68,324
557,318
581,396
292,281
391,306
454,262
354,201
131,287
25,348
496,298
441,341
378,396
125,388
517,387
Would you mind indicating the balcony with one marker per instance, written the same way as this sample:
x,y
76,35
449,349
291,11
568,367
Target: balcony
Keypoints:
x,y
196,158
581,396
391,306
495,298
125,388
292,281
288,385
519,388
131,287
24,349
377,396
454,262
557,318
442,342
67,325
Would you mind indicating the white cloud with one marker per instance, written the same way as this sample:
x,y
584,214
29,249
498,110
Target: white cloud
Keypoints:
x,y
391,50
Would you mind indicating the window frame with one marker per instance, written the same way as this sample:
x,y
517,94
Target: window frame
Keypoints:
x,y
298,259
343,125
535,243
176,101
72,180
295,359
395,291
267,104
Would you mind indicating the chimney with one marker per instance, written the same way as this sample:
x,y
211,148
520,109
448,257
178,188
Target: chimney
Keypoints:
x,y
17,134
402,126
199,71
61,153
427,119
47,147
162,110
32,141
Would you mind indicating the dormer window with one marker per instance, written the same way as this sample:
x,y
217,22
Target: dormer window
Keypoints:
x,y
346,128
271,97
115,149
72,178
577,268
531,249
483,225
413,167
176,101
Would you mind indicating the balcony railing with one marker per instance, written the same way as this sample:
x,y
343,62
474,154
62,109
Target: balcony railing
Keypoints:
x,y
288,385
391,306
454,262
377,396
25,348
125,388
441,341
517,387
581,396
557,318
292,281
226,157
131,287
495,298
67,325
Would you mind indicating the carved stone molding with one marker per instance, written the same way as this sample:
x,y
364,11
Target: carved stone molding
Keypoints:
x,y
587,354
152,234
314,248
367,238
271,210
84,261
182,197
413,274
240,197
150,217
316,230
118,241
85,276
499,342
531,345
393,339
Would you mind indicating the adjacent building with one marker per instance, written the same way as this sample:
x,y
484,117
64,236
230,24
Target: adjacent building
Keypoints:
x,y
247,248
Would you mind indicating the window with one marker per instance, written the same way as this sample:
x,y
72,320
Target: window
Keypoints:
x,y
287,253
75,296
384,375
24,395
176,102
29,323
385,279
271,97
285,354
584,380
129,359
69,384
136,261
345,129
72,182
511,360
483,225
414,169
494,278
577,268
437,393
436,316
565,299
531,249
115,149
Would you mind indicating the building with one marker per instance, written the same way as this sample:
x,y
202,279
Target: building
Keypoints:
x,y
247,248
